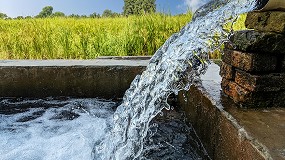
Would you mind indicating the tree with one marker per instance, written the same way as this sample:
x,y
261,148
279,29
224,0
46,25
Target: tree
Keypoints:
x,y
83,16
19,17
46,12
58,14
139,7
3,16
28,17
109,13
94,15
74,16
129,7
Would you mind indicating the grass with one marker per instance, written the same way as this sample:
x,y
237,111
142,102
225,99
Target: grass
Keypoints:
x,y
237,25
68,38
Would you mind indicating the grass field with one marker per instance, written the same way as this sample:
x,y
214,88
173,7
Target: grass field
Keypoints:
x,y
68,38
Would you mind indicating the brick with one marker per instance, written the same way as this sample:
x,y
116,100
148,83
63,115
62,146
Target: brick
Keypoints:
x,y
260,42
251,62
256,83
227,71
247,98
233,90
272,21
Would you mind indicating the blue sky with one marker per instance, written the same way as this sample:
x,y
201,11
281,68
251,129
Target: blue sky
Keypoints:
x,y
14,8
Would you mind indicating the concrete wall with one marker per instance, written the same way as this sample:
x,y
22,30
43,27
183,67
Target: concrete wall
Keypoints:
x,y
230,132
105,78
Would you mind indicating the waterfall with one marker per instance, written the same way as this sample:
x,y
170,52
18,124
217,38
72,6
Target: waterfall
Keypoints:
x,y
174,67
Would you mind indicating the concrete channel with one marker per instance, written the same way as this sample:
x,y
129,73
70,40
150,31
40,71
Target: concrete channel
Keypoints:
x,y
227,131
105,78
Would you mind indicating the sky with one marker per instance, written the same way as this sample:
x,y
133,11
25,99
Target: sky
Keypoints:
x,y
14,8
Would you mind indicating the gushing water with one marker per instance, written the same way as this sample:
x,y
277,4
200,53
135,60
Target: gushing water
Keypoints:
x,y
174,67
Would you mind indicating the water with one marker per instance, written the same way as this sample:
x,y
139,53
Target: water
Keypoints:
x,y
87,128
66,129
175,66
52,129
170,138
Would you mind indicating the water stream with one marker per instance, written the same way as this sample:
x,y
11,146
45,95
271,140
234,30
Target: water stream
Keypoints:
x,y
66,129
73,129
174,67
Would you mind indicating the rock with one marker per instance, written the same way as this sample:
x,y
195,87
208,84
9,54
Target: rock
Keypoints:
x,y
259,42
227,71
273,21
279,100
283,65
268,82
247,98
230,89
251,62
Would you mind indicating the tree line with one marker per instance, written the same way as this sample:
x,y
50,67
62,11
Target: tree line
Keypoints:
x,y
131,7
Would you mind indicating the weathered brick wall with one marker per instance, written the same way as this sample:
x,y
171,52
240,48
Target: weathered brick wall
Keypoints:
x,y
253,70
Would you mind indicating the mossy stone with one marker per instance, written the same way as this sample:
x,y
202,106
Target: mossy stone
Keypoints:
x,y
261,42
272,21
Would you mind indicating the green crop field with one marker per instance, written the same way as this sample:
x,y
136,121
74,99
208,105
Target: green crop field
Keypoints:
x,y
87,38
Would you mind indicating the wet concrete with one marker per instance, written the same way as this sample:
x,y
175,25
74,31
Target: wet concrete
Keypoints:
x,y
227,131
104,77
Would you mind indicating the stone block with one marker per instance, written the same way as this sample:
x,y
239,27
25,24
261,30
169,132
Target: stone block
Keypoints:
x,y
279,99
256,83
283,65
272,21
230,88
259,42
247,98
251,62
227,71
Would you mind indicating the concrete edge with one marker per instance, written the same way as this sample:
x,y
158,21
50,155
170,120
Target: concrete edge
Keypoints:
x,y
242,133
224,137
104,78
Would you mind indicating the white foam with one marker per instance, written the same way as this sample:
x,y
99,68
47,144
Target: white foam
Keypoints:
x,y
46,138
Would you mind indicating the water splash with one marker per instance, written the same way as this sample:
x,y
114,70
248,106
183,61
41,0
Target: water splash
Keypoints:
x,y
49,129
174,67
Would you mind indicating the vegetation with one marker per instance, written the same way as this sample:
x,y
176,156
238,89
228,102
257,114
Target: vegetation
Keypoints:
x,y
137,7
3,16
109,13
237,25
58,14
46,12
86,38
53,35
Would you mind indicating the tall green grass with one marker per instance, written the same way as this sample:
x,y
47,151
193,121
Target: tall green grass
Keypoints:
x,y
68,38
230,27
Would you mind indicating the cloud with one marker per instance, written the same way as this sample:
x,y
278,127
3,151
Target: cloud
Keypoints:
x,y
194,4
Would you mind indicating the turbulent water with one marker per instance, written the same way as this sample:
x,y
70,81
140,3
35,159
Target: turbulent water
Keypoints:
x,y
174,67
66,129
52,129
73,129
